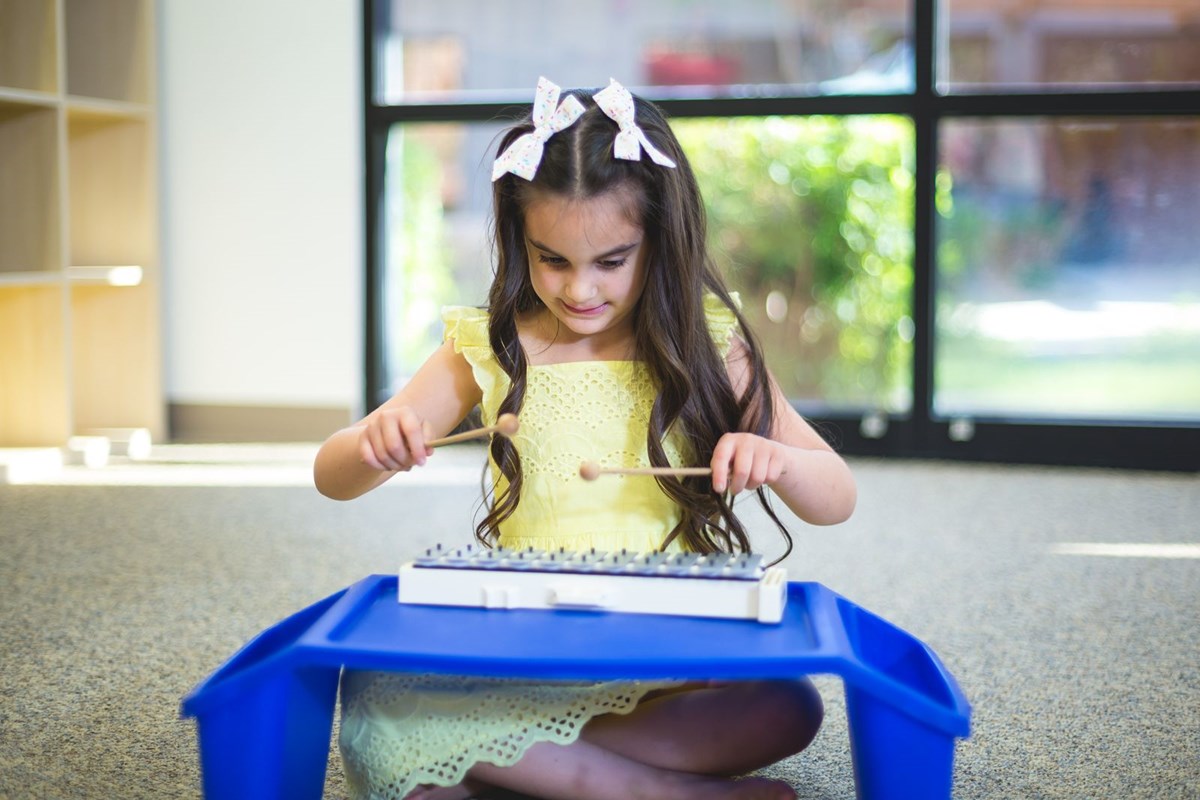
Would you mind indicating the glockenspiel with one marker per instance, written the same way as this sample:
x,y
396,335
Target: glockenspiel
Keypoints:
x,y
721,585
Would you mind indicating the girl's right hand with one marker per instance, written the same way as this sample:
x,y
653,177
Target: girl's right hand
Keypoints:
x,y
393,440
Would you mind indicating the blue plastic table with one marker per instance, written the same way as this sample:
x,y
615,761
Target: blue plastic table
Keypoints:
x,y
265,717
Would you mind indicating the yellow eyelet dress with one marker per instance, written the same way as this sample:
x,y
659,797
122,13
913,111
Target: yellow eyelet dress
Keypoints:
x,y
401,730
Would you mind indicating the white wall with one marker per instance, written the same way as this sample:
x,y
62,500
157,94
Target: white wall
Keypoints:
x,y
261,164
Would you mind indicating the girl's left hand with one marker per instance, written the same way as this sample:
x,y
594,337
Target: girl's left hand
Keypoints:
x,y
742,461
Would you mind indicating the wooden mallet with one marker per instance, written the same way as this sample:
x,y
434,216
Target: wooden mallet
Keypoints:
x,y
506,425
590,471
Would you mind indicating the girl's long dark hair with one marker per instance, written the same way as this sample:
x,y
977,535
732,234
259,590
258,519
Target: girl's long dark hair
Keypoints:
x,y
696,400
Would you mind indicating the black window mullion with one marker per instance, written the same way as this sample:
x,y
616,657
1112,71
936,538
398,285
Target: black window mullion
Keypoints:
x,y
839,105
374,146
925,135
1163,102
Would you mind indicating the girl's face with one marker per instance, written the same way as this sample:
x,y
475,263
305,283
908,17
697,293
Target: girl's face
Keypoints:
x,y
586,261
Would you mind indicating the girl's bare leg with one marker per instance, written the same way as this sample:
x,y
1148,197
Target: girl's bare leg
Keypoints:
x,y
675,745
584,771
730,729
461,791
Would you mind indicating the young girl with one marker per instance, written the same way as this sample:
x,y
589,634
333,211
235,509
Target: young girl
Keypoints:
x,y
610,333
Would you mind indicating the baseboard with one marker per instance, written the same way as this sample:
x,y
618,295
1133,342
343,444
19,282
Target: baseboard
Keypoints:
x,y
192,422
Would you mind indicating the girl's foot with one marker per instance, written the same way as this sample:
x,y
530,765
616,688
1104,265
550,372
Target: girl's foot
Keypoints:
x,y
704,789
585,771
760,789
463,791
697,787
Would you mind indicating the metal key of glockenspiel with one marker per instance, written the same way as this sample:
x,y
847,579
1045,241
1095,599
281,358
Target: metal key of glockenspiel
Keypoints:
x,y
687,564
590,561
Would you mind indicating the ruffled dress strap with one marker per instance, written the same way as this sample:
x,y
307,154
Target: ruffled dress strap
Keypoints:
x,y
722,322
467,328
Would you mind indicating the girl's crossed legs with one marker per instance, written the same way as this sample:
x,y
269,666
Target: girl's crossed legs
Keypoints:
x,y
683,743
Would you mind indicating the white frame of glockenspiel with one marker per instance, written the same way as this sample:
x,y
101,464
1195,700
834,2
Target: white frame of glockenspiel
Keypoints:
x,y
529,587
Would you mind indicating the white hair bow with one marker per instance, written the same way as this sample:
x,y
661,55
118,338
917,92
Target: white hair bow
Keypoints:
x,y
525,154
617,103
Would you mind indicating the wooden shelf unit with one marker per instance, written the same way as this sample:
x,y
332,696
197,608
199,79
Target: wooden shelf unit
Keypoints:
x,y
78,197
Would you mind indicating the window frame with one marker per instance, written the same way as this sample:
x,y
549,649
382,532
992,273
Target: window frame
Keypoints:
x,y
1119,443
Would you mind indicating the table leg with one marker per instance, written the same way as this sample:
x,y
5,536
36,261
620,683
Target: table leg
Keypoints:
x,y
272,741
896,757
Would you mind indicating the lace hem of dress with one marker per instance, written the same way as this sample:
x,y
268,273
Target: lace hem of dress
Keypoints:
x,y
401,731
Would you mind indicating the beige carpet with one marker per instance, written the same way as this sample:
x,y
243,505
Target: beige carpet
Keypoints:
x,y
124,587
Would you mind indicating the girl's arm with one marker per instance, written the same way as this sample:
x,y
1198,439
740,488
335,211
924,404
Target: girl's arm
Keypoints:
x,y
799,466
392,438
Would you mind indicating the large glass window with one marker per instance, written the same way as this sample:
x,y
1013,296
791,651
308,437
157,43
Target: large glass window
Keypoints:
x,y
961,228
1069,269
1070,44
811,221
437,201
825,277
456,50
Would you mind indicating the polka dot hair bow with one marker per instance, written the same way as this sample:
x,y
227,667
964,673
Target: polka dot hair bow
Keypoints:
x,y
617,103
525,154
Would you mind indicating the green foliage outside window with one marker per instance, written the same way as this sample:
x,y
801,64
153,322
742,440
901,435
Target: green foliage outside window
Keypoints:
x,y
419,280
811,220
